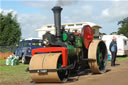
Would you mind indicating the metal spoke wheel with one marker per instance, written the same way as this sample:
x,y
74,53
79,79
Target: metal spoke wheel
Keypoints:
x,y
98,52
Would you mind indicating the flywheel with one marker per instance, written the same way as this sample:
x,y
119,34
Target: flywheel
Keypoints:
x,y
98,52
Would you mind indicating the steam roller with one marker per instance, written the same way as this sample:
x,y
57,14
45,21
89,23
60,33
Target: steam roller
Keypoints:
x,y
67,53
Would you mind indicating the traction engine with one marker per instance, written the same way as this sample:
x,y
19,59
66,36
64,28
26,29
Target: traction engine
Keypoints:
x,y
67,53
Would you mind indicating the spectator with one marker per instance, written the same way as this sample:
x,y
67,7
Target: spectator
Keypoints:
x,y
113,50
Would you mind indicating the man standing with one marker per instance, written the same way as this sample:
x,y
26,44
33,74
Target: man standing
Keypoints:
x,y
113,50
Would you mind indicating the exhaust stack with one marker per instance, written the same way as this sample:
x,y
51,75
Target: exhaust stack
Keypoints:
x,y
57,20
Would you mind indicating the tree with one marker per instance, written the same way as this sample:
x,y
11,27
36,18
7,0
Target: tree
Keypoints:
x,y
124,27
10,31
102,33
113,33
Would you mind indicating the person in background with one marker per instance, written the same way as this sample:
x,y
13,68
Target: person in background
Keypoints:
x,y
113,50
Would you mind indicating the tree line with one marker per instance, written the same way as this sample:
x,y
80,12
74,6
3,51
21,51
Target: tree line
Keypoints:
x,y
123,29
10,31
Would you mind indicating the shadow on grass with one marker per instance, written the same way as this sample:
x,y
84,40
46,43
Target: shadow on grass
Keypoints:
x,y
123,56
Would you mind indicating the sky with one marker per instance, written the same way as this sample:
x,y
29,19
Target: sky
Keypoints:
x,y
32,14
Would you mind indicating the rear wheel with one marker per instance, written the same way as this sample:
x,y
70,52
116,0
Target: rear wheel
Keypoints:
x,y
98,52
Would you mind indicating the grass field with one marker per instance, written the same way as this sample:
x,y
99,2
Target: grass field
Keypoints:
x,y
13,75
16,75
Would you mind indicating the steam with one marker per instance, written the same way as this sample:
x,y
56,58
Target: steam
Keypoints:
x,y
48,4
65,2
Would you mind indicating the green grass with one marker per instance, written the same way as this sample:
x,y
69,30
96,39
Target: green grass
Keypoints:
x,y
120,58
13,75
2,62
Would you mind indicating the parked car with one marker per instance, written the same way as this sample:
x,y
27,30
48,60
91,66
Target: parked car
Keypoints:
x,y
122,44
23,51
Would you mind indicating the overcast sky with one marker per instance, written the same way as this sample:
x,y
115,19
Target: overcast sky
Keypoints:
x,y
32,14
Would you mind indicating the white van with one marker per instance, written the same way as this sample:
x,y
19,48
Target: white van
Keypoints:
x,y
122,44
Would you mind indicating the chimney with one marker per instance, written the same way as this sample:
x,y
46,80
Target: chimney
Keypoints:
x,y
57,20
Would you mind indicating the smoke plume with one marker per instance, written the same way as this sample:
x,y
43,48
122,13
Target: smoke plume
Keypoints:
x,y
65,2
46,4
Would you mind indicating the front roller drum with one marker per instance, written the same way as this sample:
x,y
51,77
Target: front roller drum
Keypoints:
x,y
98,52
47,61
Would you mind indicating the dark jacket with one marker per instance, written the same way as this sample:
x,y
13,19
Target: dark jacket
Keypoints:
x,y
113,46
